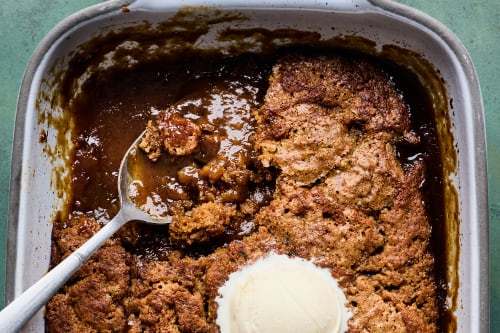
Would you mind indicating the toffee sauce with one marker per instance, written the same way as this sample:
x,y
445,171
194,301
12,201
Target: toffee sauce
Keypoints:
x,y
221,106
428,149
114,109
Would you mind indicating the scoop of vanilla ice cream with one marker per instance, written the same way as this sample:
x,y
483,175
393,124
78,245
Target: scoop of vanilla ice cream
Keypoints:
x,y
281,294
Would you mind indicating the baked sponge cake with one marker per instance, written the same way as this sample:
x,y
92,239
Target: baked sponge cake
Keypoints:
x,y
330,125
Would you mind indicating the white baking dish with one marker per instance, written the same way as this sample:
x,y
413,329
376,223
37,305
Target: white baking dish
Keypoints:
x,y
37,176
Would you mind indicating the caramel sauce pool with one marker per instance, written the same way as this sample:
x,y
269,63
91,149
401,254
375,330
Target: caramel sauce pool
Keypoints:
x,y
222,108
113,111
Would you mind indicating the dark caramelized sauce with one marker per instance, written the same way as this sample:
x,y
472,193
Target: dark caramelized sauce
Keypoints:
x,y
428,149
113,111
222,107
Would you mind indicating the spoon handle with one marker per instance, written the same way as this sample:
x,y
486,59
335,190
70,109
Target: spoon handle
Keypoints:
x,y
18,312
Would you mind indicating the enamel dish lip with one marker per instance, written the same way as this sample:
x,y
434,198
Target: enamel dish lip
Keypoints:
x,y
31,200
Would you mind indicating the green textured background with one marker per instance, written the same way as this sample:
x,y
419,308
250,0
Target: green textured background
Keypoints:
x,y
23,24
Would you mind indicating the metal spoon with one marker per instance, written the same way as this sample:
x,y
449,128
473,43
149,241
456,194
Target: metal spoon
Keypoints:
x,y
16,314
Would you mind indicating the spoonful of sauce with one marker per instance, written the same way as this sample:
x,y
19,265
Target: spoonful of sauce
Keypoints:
x,y
17,313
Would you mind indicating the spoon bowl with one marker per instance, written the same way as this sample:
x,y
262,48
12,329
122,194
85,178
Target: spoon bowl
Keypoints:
x,y
17,313
128,207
